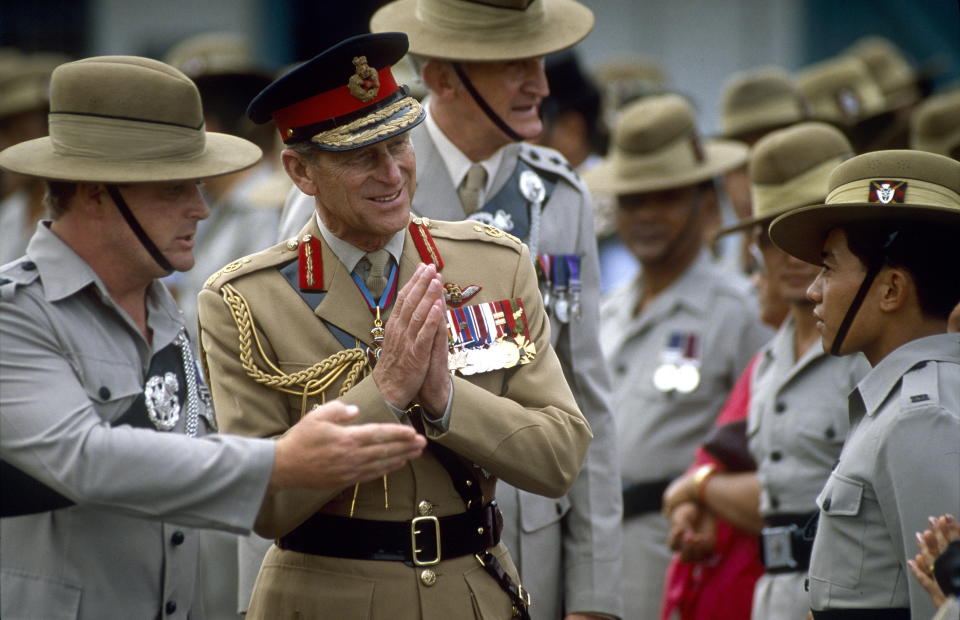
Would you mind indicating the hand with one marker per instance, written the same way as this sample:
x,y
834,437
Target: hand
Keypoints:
x,y
932,543
435,391
322,452
681,490
409,338
693,532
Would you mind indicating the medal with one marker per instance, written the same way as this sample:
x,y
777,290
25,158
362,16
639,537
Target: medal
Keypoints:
x,y
545,263
573,269
688,375
386,298
680,364
561,308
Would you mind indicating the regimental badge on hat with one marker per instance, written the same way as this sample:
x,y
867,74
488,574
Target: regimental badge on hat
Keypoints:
x,y
364,84
886,192
849,103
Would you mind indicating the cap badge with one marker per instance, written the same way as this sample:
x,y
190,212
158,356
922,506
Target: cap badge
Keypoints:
x,y
849,103
886,192
456,296
364,83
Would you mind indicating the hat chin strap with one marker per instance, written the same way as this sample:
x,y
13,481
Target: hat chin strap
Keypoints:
x,y
859,297
138,230
496,120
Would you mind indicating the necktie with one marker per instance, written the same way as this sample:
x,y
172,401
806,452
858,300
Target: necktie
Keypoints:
x,y
471,187
376,280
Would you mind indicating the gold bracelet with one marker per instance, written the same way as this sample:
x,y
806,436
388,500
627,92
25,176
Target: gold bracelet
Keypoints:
x,y
700,478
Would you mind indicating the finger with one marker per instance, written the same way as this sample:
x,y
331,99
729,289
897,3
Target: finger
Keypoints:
x,y
416,291
378,433
405,290
335,411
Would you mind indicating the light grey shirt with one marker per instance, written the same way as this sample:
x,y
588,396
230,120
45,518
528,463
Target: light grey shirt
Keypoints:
x,y
900,464
72,362
658,431
798,419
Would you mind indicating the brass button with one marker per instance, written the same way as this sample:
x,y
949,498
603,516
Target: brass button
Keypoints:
x,y
428,577
469,483
306,239
292,244
425,508
480,531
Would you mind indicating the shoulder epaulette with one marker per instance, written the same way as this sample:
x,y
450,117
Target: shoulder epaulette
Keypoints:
x,y
920,387
274,255
551,162
470,230
17,273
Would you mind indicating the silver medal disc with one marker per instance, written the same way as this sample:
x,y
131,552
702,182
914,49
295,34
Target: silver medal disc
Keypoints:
x,y
688,378
665,377
161,400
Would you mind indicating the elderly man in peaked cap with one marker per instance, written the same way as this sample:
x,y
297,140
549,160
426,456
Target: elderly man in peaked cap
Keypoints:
x,y
886,240
105,470
483,63
437,324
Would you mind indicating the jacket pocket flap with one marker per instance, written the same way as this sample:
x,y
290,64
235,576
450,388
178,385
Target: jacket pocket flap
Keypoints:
x,y
841,496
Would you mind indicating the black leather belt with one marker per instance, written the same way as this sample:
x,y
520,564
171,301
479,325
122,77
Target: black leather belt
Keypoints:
x,y
786,542
422,541
890,613
643,497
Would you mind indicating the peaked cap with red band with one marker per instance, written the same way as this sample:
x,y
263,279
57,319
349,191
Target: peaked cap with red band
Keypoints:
x,y
342,99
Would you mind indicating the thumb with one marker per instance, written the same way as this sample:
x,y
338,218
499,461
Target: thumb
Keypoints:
x,y
335,411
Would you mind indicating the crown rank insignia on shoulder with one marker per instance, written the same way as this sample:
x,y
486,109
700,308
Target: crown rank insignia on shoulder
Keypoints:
x,y
489,336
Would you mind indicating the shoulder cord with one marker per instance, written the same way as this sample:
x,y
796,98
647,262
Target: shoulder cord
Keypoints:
x,y
310,381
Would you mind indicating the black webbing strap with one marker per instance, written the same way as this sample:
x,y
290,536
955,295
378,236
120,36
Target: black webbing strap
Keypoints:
x,y
863,614
467,484
496,120
138,230
851,314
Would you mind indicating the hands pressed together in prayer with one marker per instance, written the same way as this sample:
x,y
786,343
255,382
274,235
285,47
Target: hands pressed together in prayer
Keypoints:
x,y
413,362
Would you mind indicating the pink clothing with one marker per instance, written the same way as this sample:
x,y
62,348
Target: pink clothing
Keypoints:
x,y
720,587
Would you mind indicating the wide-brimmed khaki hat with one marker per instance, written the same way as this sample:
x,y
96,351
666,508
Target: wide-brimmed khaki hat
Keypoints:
x,y
882,185
485,30
215,53
656,146
840,91
126,119
935,125
889,69
25,81
759,100
790,168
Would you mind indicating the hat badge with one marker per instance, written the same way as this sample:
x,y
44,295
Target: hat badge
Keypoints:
x,y
364,83
886,192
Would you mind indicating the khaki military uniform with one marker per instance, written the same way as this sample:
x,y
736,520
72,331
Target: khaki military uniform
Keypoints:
x,y
899,466
796,426
658,431
520,425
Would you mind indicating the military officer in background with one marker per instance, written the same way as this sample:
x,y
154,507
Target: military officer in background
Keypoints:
x,y
485,86
105,470
679,336
355,306
886,238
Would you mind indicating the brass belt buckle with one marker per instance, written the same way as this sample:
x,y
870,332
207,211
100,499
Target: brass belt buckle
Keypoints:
x,y
415,531
524,594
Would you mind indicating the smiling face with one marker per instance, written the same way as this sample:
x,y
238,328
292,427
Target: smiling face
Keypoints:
x,y
168,213
363,196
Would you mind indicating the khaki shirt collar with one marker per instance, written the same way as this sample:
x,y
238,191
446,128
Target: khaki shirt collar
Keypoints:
x,y
875,388
350,255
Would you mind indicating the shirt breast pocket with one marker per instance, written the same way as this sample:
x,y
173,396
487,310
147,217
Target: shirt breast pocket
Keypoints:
x,y
840,533
111,386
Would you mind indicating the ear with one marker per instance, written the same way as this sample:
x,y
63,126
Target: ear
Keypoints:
x,y
92,200
297,168
440,78
895,287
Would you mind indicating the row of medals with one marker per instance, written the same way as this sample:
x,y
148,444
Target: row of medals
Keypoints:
x,y
500,352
